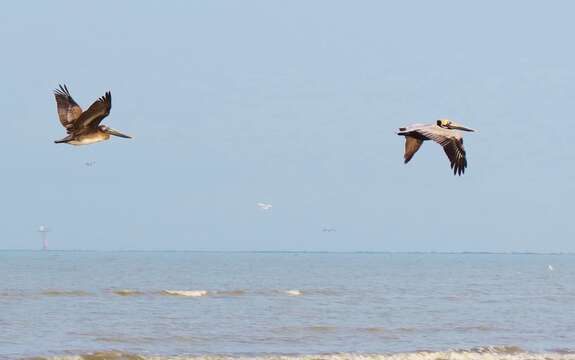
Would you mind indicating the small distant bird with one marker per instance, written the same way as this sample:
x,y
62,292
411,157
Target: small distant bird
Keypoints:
x,y
550,268
264,206
444,132
84,127
90,163
328,230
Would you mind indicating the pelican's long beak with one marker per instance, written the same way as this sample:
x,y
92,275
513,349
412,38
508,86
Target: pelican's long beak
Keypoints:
x,y
459,127
117,133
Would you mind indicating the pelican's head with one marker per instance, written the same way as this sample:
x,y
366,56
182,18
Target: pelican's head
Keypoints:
x,y
448,124
109,130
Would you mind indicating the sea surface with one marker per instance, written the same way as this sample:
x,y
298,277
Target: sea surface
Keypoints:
x,y
334,306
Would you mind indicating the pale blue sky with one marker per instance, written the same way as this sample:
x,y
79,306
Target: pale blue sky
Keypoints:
x,y
294,103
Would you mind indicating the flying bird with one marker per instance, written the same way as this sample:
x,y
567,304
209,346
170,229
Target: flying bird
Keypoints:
x,y
84,127
444,132
264,206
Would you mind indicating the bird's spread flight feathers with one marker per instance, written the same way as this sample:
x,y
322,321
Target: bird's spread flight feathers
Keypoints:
x,y
456,154
71,115
452,143
92,117
68,110
412,144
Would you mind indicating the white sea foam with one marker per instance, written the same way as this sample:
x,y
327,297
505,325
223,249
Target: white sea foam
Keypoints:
x,y
474,354
294,292
188,293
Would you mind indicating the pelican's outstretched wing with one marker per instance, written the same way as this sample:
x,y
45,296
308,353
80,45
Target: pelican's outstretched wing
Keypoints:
x,y
411,146
456,154
92,117
452,144
68,110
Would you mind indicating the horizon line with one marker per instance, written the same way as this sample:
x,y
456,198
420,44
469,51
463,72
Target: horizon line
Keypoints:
x,y
430,252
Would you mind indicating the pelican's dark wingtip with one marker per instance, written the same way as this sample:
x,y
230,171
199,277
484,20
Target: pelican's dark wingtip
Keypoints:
x,y
458,170
62,90
107,97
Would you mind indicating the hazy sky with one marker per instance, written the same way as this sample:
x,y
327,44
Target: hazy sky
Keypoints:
x,y
293,103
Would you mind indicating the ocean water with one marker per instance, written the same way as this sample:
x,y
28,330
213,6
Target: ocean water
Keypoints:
x,y
192,305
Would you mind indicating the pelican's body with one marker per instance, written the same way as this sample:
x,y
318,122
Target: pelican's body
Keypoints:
x,y
84,127
89,138
445,133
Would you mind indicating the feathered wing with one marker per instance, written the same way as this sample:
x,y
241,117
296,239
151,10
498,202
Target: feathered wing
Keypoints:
x,y
92,117
411,146
452,144
68,110
456,154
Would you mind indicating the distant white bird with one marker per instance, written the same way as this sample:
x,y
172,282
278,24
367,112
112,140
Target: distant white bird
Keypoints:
x,y
445,133
550,268
264,206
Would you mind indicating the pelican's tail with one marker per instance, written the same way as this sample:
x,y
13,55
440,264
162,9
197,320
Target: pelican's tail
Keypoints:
x,y
65,140
62,141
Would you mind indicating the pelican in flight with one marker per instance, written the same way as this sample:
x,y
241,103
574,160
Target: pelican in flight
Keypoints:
x,y
84,127
445,133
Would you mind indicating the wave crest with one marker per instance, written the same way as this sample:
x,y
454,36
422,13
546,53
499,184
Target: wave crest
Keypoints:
x,y
294,292
481,353
187,293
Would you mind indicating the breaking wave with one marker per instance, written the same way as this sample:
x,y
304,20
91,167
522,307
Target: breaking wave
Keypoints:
x,y
484,353
133,292
187,293
127,292
294,292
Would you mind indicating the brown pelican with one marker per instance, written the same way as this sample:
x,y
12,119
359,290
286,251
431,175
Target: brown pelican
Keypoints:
x,y
84,127
445,133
